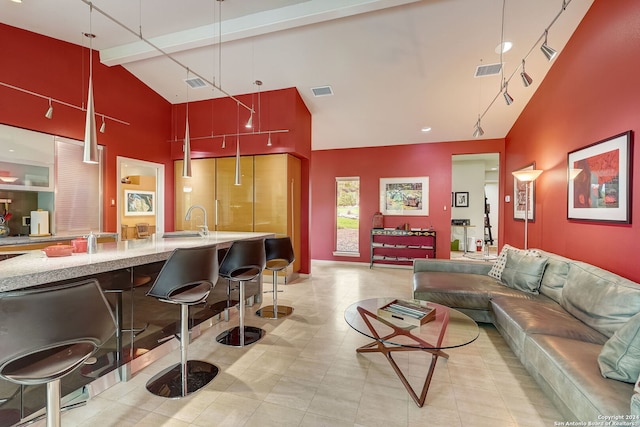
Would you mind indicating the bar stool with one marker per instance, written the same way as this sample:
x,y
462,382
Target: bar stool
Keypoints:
x,y
244,261
49,332
279,255
186,279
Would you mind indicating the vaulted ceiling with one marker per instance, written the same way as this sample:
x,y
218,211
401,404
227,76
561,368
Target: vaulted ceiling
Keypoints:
x,y
394,66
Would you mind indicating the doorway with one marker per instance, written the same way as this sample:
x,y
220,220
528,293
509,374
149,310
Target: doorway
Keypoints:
x,y
139,179
474,210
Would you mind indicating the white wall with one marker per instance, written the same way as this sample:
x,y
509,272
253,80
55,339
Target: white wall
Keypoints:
x,y
469,176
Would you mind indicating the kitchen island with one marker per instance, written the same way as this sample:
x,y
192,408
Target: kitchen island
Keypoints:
x,y
154,322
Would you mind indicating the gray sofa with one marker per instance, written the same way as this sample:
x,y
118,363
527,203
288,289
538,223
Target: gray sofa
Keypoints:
x,y
566,320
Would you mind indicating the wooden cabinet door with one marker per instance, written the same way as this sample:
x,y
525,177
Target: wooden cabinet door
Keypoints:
x,y
200,190
235,202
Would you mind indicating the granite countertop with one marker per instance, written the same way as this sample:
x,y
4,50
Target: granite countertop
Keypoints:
x,y
25,240
35,268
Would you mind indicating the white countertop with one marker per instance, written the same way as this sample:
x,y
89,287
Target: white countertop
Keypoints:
x,y
35,268
25,240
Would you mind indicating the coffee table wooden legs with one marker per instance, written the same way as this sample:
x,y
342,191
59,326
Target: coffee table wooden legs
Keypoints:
x,y
378,346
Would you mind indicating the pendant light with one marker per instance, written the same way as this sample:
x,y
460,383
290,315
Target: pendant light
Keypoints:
x,y
186,161
237,175
90,152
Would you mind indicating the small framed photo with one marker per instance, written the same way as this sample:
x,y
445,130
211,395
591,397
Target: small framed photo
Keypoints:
x,y
139,203
462,199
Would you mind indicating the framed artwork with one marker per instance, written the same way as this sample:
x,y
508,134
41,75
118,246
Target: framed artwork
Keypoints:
x,y
404,196
599,186
139,203
520,204
461,199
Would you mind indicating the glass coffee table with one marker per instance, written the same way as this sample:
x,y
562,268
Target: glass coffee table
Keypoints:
x,y
449,329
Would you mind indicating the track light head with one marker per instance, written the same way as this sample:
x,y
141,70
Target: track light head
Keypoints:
x,y
249,124
550,53
526,79
507,98
269,144
49,113
478,132
103,126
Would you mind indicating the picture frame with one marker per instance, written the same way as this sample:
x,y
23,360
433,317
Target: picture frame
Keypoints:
x,y
599,181
461,199
404,196
139,203
519,196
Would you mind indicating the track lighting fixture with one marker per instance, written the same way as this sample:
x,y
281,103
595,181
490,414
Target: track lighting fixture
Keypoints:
x,y
90,152
548,52
507,98
224,141
269,140
103,126
526,78
49,113
478,132
249,124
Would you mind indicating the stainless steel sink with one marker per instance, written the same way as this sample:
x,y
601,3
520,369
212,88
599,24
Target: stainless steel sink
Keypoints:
x,y
180,234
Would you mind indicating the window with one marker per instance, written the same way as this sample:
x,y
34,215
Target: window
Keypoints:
x,y
347,216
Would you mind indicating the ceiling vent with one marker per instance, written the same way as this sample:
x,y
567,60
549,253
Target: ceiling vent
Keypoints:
x,y
488,70
195,83
322,91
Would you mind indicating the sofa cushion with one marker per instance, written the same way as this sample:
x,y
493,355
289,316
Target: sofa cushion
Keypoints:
x,y
456,290
599,298
540,315
620,355
569,370
555,275
523,272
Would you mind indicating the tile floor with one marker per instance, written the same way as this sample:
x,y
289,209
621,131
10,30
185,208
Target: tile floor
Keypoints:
x,y
305,372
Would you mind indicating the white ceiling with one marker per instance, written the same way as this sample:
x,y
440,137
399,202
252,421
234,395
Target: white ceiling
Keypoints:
x,y
395,66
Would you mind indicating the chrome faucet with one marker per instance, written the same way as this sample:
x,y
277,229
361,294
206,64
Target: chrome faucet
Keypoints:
x,y
204,229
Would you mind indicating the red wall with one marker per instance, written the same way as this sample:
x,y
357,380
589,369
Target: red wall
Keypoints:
x,y
592,92
371,164
60,70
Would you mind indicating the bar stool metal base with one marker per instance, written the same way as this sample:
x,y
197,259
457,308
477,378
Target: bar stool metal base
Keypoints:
x,y
269,311
235,338
168,383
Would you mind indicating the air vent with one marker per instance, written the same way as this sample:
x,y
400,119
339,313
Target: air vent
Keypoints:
x,y
322,91
195,83
488,70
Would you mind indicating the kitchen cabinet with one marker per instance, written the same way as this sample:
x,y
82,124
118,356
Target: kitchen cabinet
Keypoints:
x,y
200,190
234,202
26,160
267,200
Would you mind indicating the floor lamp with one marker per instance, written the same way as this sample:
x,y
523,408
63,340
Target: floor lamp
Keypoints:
x,y
527,176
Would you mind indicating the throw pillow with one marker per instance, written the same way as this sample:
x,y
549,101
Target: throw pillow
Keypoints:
x,y
619,358
523,271
501,261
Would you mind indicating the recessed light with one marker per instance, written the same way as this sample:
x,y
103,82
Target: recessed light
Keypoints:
x,y
425,129
504,47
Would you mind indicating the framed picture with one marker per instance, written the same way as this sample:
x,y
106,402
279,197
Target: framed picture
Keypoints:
x,y
461,199
520,204
600,181
404,196
139,203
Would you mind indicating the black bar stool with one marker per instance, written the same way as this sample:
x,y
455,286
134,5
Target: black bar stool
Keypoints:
x,y
49,332
186,279
244,261
279,254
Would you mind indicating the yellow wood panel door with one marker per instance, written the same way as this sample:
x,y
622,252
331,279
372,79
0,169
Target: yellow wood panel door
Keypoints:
x,y
294,168
271,194
235,202
198,190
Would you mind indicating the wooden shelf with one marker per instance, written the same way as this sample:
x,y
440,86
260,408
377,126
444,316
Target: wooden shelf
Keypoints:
x,y
401,247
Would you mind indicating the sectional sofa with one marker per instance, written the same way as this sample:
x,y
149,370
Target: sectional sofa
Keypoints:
x,y
575,327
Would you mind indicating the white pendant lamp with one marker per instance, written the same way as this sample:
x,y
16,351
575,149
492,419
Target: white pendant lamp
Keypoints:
x,y
90,152
186,163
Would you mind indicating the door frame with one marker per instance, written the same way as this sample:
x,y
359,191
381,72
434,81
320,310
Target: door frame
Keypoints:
x,y
159,168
